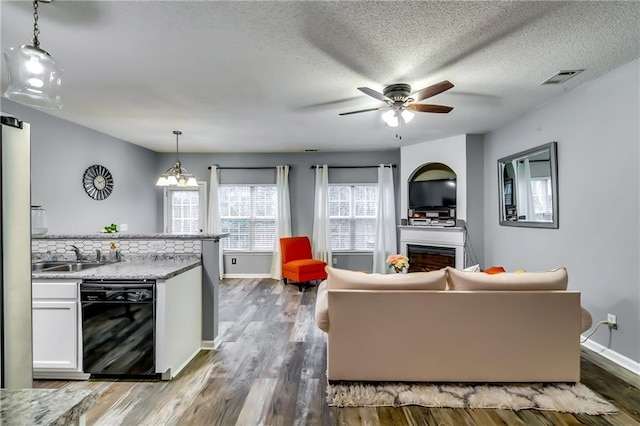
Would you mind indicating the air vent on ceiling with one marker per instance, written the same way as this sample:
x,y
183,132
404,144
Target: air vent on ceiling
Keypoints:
x,y
562,76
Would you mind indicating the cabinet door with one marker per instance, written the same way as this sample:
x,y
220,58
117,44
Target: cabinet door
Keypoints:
x,y
55,334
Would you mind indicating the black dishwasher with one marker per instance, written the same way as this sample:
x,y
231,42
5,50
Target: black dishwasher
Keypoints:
x,y
118,328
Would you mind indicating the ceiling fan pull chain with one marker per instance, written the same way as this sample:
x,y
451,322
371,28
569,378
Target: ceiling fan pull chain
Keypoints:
x,y
36,28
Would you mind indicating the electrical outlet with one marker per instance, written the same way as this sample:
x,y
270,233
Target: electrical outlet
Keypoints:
x,y
124,227
334,261
233,260
613,321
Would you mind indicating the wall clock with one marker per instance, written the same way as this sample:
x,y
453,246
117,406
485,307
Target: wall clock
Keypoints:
x,y
97,182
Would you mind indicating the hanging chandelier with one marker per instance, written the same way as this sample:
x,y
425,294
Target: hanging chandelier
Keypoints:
x,y
177,175
34,76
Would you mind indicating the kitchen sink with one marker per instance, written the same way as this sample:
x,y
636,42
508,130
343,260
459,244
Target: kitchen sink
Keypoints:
x,y
64,266
39,266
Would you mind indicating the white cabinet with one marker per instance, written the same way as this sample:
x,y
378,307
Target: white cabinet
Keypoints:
x,y
178,321
55,334
56,330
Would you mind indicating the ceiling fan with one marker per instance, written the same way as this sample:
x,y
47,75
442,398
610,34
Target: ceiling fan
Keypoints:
x,y
401,102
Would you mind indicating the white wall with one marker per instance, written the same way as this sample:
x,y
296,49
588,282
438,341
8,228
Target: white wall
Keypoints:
x,y
60,153
597,129
450,151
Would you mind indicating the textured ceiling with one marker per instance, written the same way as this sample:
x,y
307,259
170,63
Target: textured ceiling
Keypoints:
x,y
273,76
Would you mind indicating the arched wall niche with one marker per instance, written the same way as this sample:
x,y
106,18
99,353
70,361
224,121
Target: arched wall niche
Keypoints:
x,y
432,171
432,188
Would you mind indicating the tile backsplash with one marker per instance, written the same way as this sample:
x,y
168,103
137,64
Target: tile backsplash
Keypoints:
x,y
88,247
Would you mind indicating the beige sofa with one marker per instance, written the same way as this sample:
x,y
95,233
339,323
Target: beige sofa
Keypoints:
x,y
440,327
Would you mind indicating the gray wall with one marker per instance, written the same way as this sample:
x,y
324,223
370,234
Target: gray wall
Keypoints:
x,y
474,242
60,153
596,127
301,187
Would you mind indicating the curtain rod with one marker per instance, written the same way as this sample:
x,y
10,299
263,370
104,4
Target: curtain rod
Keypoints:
x,y
247,168
393,166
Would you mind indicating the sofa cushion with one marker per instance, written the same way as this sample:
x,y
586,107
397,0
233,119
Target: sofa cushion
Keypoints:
x,y
322,307
507,281
352,280
304,266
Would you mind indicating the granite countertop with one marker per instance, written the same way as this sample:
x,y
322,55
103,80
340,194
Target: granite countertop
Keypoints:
x,y
130,236
39,407
153,269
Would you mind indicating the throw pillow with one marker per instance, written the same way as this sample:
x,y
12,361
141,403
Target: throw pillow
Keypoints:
x,y
495,270
474,268
351,280
508,281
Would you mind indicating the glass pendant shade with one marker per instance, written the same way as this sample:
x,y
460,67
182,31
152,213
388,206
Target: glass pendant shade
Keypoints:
x,y
407,115
172,181
192,182
391,118
162,181
34,77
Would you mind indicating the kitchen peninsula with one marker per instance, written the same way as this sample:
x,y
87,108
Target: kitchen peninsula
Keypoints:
x,y
182,268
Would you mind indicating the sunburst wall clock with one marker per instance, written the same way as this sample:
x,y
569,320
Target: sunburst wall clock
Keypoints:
x,y
97,182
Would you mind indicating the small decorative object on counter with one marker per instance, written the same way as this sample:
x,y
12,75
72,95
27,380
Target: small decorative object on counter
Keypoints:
x,y
39,224
112,252
398,262
110,229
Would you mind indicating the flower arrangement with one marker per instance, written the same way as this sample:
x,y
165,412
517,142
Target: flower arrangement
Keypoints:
x,y
398,262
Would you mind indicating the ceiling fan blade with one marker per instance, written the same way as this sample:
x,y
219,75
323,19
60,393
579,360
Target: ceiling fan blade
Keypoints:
x,y
429,108
374,94
432,90
362,110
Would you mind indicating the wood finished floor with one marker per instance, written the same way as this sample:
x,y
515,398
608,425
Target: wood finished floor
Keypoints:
x,y
269,366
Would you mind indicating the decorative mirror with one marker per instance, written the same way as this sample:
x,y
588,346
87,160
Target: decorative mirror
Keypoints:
x,y
528,188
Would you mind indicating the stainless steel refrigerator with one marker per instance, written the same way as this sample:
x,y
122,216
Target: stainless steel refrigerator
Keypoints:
x,y
16,359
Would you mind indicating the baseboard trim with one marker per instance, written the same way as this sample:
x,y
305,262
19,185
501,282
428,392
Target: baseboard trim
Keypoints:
x,y
247,276
207,345
613,356
177,371
61,375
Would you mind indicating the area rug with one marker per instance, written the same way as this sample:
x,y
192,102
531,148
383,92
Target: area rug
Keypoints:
x,y
569,398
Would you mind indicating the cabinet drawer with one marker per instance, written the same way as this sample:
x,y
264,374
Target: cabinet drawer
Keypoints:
x,y
55,290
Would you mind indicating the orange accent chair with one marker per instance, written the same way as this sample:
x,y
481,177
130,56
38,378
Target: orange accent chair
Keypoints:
x,y
297,262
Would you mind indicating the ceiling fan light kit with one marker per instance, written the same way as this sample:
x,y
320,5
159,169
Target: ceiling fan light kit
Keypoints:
x,y
34,76
177,175
400,102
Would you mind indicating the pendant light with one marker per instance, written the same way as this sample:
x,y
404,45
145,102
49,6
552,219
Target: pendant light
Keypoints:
x,y
177,175
34,76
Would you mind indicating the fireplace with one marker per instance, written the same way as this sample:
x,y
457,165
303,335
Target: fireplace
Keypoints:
x,y
430,258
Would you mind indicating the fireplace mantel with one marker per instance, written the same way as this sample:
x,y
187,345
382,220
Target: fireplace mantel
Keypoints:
x,y
453,237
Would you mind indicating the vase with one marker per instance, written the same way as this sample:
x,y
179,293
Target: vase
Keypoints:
x,y
398,270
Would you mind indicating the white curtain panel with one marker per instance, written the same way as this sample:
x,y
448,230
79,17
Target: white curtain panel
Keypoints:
x,y
525,204
321,238
385,236
213,225
283,219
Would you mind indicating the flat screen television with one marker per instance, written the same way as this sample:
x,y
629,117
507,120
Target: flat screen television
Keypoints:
x,y
432,194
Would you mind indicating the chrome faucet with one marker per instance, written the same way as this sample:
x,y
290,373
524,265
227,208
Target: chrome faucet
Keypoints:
x,y
77,251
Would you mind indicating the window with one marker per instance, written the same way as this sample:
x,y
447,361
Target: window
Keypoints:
x,y
184,209
352,212
248,214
